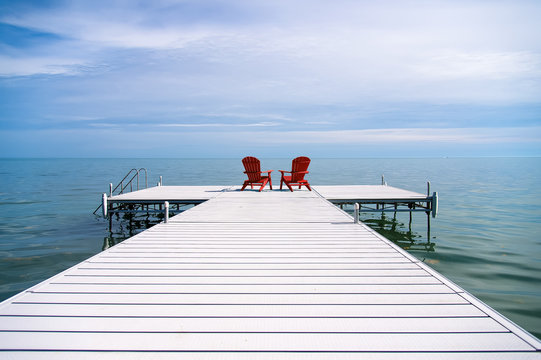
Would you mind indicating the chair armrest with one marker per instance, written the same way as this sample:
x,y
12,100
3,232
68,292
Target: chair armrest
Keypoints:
x,y
268,171
284,171
301,172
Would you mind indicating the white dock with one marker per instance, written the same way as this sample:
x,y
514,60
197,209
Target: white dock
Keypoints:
x,y
378,198
249,275
329,192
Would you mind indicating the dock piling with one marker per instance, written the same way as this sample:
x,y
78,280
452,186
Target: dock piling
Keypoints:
x,y
356,213
166,211
434,204
104,205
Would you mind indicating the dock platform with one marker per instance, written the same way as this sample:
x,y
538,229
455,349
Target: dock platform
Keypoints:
x,y
371,198
249,275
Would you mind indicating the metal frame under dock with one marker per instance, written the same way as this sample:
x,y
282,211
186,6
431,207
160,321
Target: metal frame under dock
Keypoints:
x,y
250,275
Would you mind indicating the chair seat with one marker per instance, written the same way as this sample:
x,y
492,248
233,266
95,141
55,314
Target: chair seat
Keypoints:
x,y
262,179
288,180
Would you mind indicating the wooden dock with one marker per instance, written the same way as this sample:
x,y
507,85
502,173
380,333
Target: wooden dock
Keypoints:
x,y
249,275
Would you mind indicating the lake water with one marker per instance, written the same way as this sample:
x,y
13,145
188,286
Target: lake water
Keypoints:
x,y
486,238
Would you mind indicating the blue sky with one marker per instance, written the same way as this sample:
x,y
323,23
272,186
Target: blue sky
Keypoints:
x,y
344,78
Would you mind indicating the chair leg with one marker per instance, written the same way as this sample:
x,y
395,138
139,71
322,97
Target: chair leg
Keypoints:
x,y
308,186
264,183
281,182
244,186
270,182
289,186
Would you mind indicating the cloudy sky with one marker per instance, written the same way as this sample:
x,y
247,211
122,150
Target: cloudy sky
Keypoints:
x,y
280,78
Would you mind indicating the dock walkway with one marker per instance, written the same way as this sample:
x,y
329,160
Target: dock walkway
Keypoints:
x,y
249,275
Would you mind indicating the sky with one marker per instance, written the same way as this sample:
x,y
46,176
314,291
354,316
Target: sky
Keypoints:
x,y
281,78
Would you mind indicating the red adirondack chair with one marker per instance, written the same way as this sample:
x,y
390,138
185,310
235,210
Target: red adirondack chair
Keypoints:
x,y
252,166
299,167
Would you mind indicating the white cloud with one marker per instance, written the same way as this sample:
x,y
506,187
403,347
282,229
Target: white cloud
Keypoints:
x,y
179,143
382,137
217,125
461,65
115,24
369,137
191,66
318,122
245,115
50,65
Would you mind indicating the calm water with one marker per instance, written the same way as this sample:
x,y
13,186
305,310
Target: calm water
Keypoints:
x,y
486,238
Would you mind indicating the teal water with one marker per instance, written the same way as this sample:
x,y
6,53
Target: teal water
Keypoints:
x,y
486,238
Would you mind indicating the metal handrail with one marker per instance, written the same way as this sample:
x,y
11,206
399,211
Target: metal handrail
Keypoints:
x,y
135,176
146,177
123,187
129,183
121,183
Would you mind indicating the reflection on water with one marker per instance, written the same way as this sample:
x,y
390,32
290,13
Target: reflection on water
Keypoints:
x,y
400,233
129,224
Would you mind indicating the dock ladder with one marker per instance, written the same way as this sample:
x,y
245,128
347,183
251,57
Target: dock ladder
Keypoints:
x,y
127,181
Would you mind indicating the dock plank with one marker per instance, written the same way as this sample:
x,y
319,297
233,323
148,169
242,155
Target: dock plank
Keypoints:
x,y
254,324
249,355
237,297
239,279
231,273
233,288
227,342
374,266
441,306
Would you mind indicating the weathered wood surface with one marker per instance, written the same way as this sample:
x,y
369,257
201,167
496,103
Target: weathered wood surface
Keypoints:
x,y
270,275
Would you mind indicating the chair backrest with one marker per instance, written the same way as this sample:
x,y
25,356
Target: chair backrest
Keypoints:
x,y
299,164
252,166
